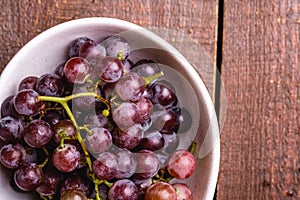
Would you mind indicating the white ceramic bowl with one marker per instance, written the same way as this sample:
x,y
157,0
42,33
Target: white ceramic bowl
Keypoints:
x,y
47,50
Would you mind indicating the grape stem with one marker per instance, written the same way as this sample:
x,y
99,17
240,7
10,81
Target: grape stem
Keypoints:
x,y
149,79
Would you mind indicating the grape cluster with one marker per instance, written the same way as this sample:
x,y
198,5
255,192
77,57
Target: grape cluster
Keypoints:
x,y
98,127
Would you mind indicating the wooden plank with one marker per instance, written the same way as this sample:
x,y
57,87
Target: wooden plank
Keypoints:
x,y
260,154
188,22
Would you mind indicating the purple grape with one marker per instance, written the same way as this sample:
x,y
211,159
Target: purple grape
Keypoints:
x,y
128,137
166,121
145,107
66,159
52,117
130,87
8,109
96,119
126,115
11,129
123,189
99,141
92,50
142,185
12,155
75,46
50,183
28,177
38,133
64,127
146,69
109,69
152,140
28,82
26,102
50,85
147,164
77,70
126,163
117,46
185,119
163,94
105,166
59,70
76,181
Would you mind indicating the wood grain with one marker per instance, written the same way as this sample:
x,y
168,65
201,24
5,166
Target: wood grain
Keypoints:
x,y
260,154
182,23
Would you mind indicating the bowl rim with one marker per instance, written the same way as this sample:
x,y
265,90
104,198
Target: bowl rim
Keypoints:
x,y
215,151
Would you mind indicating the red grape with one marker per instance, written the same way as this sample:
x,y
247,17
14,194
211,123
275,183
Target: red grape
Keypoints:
x,y
92,50
117,45
105,166
127,114
50,85
128,137
50,183
26,102
75,46
98,141
73,195
123,189
163,94
28,82
28,177
160,191
147,164
64,128
181,164
109,69
12,155
38,133
183,192
66,159
11,129
77,70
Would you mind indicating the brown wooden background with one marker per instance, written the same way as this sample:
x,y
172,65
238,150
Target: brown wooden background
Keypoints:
x,y
256,45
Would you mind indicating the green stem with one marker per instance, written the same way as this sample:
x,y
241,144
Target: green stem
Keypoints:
x,y
192,147
149,79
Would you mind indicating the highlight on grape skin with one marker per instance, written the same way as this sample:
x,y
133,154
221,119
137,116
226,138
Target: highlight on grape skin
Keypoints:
x,y
102,125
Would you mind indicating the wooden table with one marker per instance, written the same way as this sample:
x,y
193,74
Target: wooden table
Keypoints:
x,y
254,43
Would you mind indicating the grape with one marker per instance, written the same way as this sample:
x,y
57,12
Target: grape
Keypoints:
x,y
171,142
183,192
109,69
185,119
166,121
126,163
28,82
127,65
126,115
77,70
108,90
117,46
163,94
76,182
96,119
128,137
73,195
28,177
105,166
145,107
63,128
66,158
142,185
181,164
59,70
11,129
147,164
75,46
130,87
91,50
147,69
160,191
86,103
26,102
98,141
52,117
50,85
8,109
50,182
152,140
123,189
12,155
38,133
